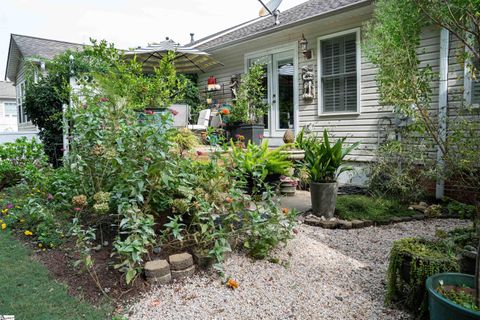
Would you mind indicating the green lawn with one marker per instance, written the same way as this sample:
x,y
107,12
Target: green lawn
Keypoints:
x,y
351,207
28,292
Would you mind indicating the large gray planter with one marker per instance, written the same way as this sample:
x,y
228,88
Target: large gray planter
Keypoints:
x,y
324,198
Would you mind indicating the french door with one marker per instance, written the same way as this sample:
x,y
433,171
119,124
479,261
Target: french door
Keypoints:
x,y
279,81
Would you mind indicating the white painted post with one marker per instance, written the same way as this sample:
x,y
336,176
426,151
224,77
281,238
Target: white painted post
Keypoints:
x,y
442,109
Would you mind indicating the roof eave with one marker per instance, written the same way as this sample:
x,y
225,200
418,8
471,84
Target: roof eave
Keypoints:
x,y
8,72
290,25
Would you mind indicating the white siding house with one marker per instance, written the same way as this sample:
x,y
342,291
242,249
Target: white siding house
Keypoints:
x,y
347,98
8,107
24,50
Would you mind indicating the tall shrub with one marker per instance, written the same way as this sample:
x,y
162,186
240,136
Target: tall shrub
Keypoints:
x,y
391,41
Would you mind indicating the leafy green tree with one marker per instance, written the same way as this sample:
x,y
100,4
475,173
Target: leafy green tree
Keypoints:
x,y
391,42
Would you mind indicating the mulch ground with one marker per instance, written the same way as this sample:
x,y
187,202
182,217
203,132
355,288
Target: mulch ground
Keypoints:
x,y
61,264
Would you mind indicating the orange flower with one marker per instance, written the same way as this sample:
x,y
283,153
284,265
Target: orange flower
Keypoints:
x,y
232,283
225,112
229,200
285,210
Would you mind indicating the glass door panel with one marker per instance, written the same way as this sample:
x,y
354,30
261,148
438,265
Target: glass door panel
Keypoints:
x,y
279,84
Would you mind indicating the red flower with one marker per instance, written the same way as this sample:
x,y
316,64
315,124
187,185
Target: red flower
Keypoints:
x,y
77,209
200,153
174,112
225,112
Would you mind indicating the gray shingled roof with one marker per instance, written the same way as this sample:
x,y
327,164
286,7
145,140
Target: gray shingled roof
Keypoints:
x,y
45,48
26,47
305,11
7,90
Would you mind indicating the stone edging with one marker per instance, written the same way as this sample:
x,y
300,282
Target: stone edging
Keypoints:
x,y
357,224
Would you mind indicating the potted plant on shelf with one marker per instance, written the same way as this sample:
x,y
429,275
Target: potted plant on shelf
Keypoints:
x,y
324,164
246,117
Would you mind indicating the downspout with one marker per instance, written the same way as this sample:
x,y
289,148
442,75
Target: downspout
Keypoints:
x,y
442,110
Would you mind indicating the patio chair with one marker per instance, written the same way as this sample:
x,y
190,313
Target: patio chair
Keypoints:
x,y
202,122
180,115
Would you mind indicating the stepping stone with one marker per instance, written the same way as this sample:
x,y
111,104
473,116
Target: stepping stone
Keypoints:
x,y
203,261
157,268
180,261
418,216
367,223
396,219
313,221
382,222
180,274
356,224
344,224
160,280
328,224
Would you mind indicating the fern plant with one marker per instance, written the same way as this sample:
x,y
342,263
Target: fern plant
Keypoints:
x,y
256,164
323,161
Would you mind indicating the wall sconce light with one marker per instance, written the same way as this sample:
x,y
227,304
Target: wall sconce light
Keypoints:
x,y
304,48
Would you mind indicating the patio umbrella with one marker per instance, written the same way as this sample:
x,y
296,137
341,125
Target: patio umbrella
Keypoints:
x,y
187,59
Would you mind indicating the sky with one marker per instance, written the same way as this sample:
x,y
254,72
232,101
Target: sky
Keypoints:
x,y
126,23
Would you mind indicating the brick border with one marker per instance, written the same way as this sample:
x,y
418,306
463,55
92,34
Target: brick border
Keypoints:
x,y
312,220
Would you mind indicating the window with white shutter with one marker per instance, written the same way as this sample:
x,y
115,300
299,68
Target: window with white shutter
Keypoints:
x,y
339,75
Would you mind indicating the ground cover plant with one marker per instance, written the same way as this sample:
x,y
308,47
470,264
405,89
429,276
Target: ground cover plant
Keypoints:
x,y
364,207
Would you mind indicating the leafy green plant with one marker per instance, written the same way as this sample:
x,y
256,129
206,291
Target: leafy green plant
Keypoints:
x,y
322,160
399,170
459,296
363,207
255,165
185,140
412,261
250,105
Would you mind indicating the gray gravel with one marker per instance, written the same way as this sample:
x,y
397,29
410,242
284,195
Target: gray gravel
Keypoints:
x,y
321,274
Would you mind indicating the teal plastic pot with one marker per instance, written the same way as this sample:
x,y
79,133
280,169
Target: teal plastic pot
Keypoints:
x,y
443,309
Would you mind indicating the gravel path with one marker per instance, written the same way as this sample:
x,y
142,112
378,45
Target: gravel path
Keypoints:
x,y
322,274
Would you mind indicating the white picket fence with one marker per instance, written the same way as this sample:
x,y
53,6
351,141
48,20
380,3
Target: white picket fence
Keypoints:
x,y
12,136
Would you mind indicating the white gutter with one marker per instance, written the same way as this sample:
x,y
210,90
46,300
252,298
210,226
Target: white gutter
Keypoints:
x,y
442,109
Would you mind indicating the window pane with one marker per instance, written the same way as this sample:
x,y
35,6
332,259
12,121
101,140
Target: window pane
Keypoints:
x,y
285,93
339,74
263,61
11,109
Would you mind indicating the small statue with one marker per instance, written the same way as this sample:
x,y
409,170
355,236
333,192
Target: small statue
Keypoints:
x,y
308,86
234,84
289,137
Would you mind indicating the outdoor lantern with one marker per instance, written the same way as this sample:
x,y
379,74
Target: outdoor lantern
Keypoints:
x,y
304,47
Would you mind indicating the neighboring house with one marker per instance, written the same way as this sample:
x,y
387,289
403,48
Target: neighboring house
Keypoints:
x,y
346,99
26,49
8,107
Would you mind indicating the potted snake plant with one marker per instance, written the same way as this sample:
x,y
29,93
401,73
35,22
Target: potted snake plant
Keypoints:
x,y
324,164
